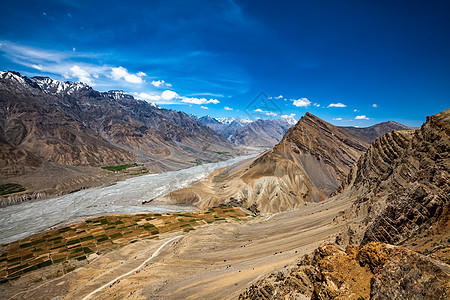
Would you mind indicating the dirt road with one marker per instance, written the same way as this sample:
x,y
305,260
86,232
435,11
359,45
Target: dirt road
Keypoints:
x,y
217,261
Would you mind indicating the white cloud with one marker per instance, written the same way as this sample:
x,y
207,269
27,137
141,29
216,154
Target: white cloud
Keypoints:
x,y
120,72
149,97
204,107
337,119
287,116
267,113
316,104
228,108
374,105
337,105
81,74
160,83
199,101
279,97
169,95
302,102
355,110
362,117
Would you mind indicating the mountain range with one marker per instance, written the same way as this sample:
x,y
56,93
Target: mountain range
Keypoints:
x,y
307,165
245,132
53,133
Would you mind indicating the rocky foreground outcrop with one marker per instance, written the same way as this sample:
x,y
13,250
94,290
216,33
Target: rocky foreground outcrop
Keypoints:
x,y
372,271
400,190
306,166
401,187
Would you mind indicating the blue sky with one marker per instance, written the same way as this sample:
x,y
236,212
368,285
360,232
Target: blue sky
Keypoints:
x,y
349,62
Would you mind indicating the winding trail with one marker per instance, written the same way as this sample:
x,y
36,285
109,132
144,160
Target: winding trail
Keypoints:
x,y
132,271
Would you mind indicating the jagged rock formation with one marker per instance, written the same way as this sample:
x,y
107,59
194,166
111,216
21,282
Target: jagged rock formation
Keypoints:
x,y
306,166
401,187
372,271
44,122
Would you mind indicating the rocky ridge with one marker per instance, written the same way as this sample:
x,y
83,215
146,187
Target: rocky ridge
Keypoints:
x,y
305,166
401,188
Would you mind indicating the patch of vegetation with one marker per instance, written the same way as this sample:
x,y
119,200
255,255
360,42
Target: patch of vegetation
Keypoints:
x,y
117,168
223,153
75,242
11,188
115,235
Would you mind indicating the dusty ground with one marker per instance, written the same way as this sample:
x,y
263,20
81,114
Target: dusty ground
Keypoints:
x,y
216,261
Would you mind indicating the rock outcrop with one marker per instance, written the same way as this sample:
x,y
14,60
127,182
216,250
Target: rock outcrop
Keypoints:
x,y
401,187
372,271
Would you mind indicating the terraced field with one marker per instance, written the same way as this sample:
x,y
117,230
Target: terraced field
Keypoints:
x,y
98,235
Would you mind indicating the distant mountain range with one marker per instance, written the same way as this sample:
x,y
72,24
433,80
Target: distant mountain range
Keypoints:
x,y
245,132
47,124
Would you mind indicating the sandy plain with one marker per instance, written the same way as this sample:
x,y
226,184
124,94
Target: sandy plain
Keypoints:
x,y
216,261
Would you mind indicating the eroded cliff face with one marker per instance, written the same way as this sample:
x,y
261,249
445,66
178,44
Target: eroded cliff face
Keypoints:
x,y
306,166
372,271
401,187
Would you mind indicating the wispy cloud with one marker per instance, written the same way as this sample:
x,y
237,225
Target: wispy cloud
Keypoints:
x,y
337,119
287,116
362,117
337,105
195,100
204,107
267,113
302,102
227,108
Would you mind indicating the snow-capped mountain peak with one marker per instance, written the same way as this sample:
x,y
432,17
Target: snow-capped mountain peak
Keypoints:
x,y
49,85
291,121
225,121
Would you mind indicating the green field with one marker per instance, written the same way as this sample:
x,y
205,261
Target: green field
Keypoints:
x,y
118,168
99,235
10,188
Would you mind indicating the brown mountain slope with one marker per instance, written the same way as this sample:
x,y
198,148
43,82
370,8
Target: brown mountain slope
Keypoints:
x,y
307,165
65,128
370,134
401,190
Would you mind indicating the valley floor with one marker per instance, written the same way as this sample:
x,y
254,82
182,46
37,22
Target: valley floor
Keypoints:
x,y
217,261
